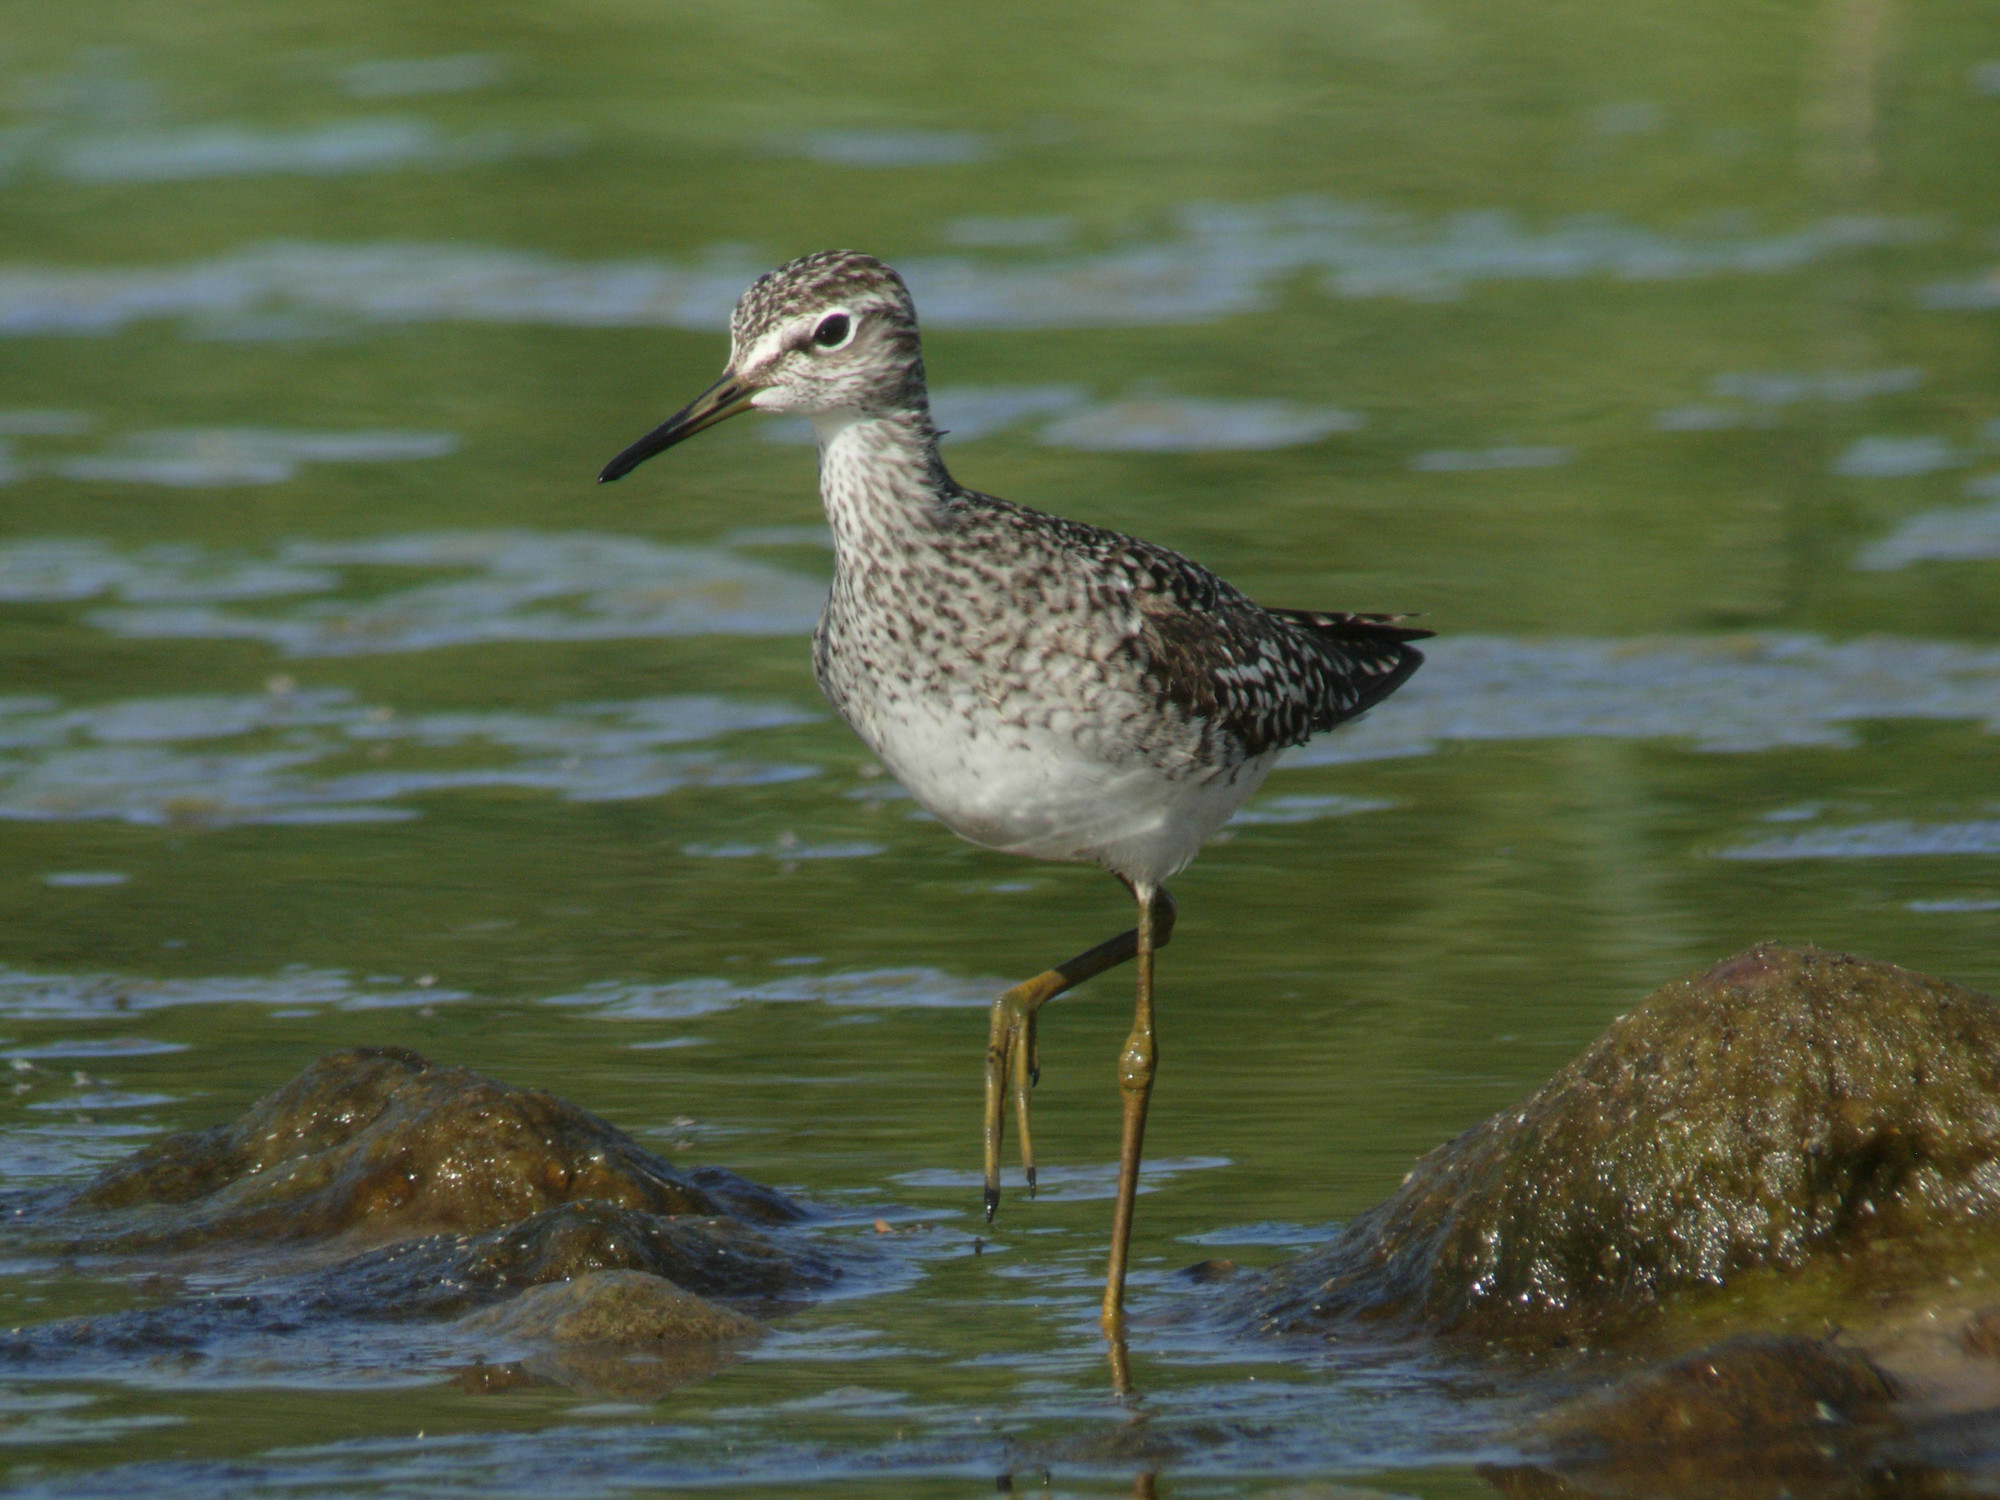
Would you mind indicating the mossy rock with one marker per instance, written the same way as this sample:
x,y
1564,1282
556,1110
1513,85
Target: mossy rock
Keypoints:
x,y
378,1143
1785,1106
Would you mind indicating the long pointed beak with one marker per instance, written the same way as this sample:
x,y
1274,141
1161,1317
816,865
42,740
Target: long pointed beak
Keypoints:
x,y
719,402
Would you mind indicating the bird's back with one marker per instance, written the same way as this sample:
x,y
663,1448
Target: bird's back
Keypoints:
x,y
1245,678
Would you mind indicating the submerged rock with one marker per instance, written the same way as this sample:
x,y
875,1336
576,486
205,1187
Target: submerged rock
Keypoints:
x,y
1746,1390
441,1275
1787,1106
620,1333
613,1307
1762,1416
378,1143
376,1188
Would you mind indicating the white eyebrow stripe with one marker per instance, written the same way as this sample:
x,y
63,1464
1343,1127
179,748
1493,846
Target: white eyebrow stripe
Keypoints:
x,y
771,345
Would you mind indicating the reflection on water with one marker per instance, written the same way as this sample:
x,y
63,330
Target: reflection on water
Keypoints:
x,y
369,145
893,989
1221,260
524,586
340,707
191,458
1965,534
1898,457
1450,459
1892,840
402,77
112,761
1728,694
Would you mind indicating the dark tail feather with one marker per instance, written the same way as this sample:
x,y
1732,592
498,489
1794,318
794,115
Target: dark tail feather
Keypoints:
x,y
1378,645
1353,627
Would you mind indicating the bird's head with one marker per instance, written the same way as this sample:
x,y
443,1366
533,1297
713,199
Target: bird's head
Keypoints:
x,y
830,332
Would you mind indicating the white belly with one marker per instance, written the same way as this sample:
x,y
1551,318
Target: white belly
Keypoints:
x,y
1038,792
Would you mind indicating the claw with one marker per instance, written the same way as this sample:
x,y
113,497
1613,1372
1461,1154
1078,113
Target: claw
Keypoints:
x,y
1010,1059
1013,1047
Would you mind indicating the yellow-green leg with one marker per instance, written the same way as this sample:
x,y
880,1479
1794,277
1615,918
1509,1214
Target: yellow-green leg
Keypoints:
x,y
1013,1064
1136,1067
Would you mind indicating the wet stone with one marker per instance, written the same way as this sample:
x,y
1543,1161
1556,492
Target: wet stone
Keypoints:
x,y
1758,1416
1788,1108
626,1333
1981,1334
1741,1391
378,1189
613,1307
377,1143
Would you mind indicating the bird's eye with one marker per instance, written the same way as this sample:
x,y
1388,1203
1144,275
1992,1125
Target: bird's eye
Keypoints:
x,y
833,330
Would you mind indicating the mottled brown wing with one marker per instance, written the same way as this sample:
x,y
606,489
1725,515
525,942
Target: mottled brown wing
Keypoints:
x,y
1269,678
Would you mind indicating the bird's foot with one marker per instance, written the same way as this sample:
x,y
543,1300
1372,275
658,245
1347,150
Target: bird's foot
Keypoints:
x,y
1013,1067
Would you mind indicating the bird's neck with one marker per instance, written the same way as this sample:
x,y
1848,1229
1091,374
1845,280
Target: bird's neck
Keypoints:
x,y
880,476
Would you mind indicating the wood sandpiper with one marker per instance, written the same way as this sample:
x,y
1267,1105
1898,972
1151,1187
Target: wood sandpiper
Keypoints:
x,y
1041,686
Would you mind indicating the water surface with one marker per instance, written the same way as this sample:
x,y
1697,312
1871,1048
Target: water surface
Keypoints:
x,y
1646,350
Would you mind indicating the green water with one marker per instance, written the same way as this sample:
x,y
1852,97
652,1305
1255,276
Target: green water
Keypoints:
x,y
1647,350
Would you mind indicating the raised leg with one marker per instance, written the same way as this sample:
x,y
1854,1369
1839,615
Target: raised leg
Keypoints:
x,y
1013,1064
1136,1066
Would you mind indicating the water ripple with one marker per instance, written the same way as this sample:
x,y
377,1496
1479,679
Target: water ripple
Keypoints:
x,y
1218,260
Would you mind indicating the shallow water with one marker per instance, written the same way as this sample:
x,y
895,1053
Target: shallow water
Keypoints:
x,y
1647,351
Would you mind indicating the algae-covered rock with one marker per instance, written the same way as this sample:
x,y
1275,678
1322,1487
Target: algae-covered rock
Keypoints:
x,y
1786,1104
376,1142
1746,1390
1757,1416
444,1274
613,1307
618,1333
376,1189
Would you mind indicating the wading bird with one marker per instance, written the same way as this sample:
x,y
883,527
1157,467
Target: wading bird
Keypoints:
x,y
1040,686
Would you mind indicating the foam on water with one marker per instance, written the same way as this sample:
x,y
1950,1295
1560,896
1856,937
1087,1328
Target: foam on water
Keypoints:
x,y
168,760
1217,260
